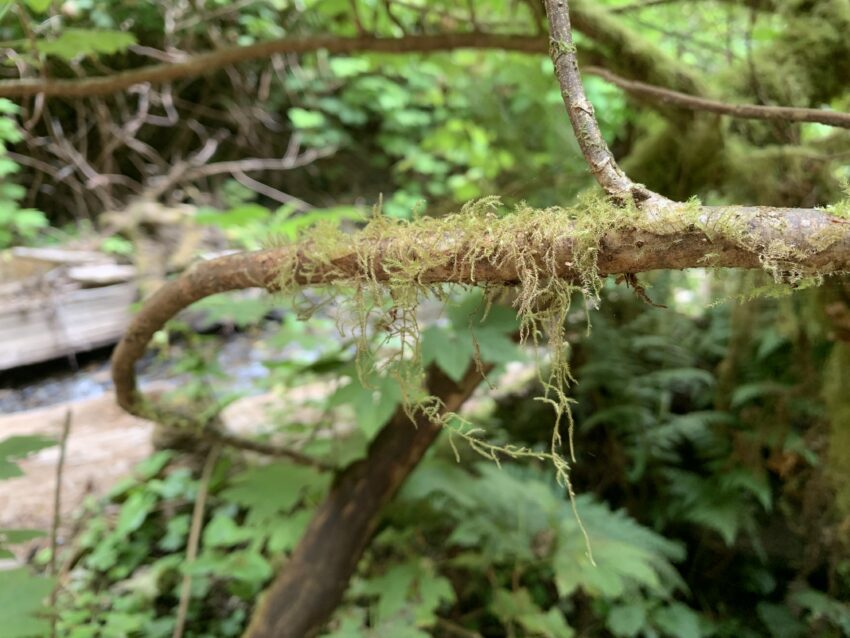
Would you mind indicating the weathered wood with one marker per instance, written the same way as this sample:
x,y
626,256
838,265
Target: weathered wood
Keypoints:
x,y
57,301
54,323
101,274
64,256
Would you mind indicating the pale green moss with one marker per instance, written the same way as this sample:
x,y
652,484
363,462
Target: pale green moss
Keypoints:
x,y
381,271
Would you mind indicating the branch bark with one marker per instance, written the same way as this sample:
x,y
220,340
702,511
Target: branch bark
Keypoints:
x,y
661,95
580,111
205,62
676,236
311,585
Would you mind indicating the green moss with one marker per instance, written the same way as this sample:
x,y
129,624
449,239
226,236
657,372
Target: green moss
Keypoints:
x,y
388,261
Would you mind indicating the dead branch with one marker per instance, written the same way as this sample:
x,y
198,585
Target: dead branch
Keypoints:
x,y
661,95
667,244
206,62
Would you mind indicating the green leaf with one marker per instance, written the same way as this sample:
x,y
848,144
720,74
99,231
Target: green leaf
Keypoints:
x,y
518,607
134,511
625,621
780,622
451,351
749,392
304,119
251,567
14,536
38,6
821,606
274,488
22,598
288,531
152,465
373,406
409,589
16,448
7,107
222,531
348,67
678,620
73,43
235,217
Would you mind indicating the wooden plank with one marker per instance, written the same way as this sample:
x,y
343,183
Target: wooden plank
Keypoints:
x,y
61,256
101,274
66,320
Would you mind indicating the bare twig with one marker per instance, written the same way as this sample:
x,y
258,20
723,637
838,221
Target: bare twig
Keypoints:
x,y
226,56
355,15
388,8
266,449
642,4
57,516
260,164
270,192
593,146
745,111
194,540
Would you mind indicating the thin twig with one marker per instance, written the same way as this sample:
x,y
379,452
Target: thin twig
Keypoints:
x,y
641,4
743,111
194,539
201,63
599,158
57,517
270,192
355,15
266,449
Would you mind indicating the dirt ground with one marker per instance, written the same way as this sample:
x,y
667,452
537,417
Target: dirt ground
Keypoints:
x,y
104,444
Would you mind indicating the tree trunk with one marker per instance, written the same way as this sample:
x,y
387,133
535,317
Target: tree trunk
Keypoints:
x,y
312,582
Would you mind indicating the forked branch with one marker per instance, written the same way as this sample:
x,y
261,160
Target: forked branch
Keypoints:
x,y
599,158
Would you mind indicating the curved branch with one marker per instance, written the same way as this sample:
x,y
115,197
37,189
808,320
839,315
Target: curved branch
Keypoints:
x,y
206,62
593,146
677,236
663,95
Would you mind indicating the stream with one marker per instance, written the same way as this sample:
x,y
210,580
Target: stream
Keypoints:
x,y
85,376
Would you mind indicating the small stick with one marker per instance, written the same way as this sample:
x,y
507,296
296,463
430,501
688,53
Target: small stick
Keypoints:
x,y
57,517
194,539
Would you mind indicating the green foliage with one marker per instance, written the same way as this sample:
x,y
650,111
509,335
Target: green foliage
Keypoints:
x,y
686,470
15,448
23,594
73,43
15,222
22,598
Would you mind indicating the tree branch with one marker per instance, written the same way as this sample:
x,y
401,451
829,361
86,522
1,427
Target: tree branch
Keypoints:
x,y
206,62
662,95
666,236
580,111
310,586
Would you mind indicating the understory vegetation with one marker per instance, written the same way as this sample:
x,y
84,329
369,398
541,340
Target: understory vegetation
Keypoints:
x,y
666,455
694,479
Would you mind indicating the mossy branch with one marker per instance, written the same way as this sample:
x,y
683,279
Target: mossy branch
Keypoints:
x,y
528,248
580,111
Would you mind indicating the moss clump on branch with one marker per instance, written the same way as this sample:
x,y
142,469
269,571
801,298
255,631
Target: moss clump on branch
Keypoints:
x,y
392,265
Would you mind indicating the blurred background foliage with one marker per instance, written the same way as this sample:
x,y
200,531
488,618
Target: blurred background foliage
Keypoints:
x,y
713,436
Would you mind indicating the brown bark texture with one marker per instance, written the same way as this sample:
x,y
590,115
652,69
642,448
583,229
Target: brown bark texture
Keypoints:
x,y
312,582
